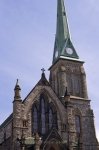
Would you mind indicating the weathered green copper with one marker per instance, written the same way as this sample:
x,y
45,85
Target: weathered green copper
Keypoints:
x,y
62,39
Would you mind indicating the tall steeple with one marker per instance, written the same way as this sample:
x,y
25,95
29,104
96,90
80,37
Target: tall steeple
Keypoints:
x,y
63,46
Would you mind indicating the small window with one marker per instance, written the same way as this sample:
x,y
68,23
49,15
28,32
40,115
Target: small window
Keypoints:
x,y
78,123
24,123
76,85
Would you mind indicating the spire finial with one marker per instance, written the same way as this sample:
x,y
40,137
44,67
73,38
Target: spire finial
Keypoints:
x,y
43,73
43,70
17,81
17,90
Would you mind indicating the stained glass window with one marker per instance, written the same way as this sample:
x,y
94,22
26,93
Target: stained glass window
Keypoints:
x,y
44,116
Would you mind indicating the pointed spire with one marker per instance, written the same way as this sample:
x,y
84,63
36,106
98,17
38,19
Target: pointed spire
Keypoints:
x,y
63,45
62,31
17,91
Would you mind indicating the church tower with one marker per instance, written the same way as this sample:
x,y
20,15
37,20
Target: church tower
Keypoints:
x,y
68,80
67,69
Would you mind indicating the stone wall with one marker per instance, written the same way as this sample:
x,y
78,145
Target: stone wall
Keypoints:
x,y
6,136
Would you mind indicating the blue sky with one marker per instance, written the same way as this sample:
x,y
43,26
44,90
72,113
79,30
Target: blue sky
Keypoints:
x,y
27,32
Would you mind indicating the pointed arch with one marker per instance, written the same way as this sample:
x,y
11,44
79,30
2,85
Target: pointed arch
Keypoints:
x,y
43,119
34,119
78,121
44,115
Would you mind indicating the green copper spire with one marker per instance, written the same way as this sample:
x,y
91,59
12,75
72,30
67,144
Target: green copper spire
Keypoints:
x,y
63,45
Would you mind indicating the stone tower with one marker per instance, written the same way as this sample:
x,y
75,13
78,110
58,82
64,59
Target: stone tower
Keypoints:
x,y
68,80
67,69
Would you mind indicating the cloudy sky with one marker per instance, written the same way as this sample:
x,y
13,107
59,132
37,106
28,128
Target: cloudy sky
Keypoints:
x,y
27,32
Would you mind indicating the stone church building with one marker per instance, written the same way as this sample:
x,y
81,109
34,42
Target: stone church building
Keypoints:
x,y
56,114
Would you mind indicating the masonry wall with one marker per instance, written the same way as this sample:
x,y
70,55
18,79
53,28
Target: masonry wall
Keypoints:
x,y
6,136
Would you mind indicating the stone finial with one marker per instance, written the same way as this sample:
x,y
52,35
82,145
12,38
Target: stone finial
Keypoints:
x,y
17,91
43,81
43,73
43,70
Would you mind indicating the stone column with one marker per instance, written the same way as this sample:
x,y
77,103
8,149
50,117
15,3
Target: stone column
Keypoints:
x,y
70,124
38,142
84,84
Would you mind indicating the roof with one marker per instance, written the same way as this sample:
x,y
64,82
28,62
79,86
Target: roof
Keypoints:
x,y
6,121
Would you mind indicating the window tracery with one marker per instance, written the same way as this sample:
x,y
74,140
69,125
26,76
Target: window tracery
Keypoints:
x,y
45,117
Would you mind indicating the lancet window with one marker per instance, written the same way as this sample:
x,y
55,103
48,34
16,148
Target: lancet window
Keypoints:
x,y
43,119
78,123
74,84
35,119
44,116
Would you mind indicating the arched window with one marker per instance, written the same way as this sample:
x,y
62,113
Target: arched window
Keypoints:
x,y
76,84
69,83
78,124
50,118
43,116
35,120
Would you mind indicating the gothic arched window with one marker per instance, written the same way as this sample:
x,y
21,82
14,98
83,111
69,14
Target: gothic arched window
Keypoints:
x,y
69,84
78,124
44,116
35,120
76,84
43,122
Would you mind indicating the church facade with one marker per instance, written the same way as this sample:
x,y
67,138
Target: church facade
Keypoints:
x,y
56,114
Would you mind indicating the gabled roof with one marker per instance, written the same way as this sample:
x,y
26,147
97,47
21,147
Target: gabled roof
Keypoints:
x,y
6,121
43,82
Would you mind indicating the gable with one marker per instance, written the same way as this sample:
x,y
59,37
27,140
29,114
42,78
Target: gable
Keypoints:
x,y
49,95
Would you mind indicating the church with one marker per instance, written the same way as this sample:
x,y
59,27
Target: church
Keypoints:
x,y
56,114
